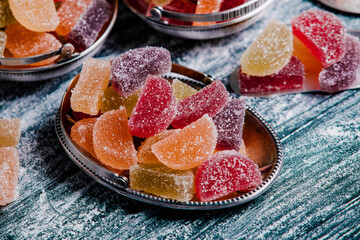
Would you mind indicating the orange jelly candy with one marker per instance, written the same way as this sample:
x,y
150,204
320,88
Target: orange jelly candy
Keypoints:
x,y
113,143
10,130
188,147
310,62
9,171
82,134
94,79
206,7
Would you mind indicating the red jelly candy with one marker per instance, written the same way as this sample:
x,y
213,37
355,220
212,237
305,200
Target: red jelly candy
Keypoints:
x,y
226,172
181,6
323,33
229,4
155,109
292,76
209,100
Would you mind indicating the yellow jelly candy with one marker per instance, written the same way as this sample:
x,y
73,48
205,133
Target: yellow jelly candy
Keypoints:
x,y
182,90
10,130
6,17
82,134
94,79
9,171
162,181
270,52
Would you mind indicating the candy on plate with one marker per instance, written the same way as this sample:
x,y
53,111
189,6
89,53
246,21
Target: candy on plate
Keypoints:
x,y
9,171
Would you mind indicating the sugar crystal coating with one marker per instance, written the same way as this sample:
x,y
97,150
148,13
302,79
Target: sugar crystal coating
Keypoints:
x,y
113,144
9,172
88,27
188,147
10,131
207,7
322,32
6,16
209,100
162,181
229,124
3,38
94,79
225,172
130,70
82,134
292,76
344,73
155,108
311,64
270,51
182,90
37,16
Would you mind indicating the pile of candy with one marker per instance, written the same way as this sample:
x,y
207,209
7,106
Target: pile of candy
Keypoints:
x,y
37,27
189,140
318,44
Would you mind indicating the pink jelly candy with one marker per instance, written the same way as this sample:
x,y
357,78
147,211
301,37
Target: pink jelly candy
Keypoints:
x,y
209,100
88,27
130,69
229,124
344,73
322,32
226,172
9,171
292,76
155,108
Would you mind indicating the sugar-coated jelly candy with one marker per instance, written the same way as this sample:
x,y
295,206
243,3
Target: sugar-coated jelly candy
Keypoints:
x,y
162,181
6,16
229,124
88,27
209,100
225,172
3,38
292,76
82,134
9,172
37,16
145,155
344,73
130,70
161,3
270,51
94,79
311,64
69,13
155,108
322,32
207,7
112,100
188,147
182,90
10,130
228,4
113,143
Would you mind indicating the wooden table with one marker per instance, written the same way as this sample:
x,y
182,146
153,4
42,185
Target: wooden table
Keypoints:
x,y
315,196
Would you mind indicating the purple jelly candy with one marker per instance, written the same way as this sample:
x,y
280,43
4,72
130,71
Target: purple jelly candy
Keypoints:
x,y
130,70
229,124
344,73
292,76
87,28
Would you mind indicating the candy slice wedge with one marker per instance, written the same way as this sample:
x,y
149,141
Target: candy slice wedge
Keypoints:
x,y
9,172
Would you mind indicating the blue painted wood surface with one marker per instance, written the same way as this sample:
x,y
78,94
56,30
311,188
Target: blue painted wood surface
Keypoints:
x,y
315,196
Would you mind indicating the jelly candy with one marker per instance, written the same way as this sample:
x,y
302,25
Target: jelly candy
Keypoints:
x,y
155,108
88,27
79,115
225,172
94,79
188,147
145,155
207,7
311,64
9,171
113,143
270,51
161,3
182,90
229,124
229,4
37,16
209,100
243,148
69,13
162,181
344,73
10,130
112,100
22,42
130,70
82,134
322,32
6,16
292,76
3,38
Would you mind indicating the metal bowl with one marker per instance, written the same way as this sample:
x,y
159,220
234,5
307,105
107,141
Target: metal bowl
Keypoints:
x,y
70,62
227,22
350,6
257,134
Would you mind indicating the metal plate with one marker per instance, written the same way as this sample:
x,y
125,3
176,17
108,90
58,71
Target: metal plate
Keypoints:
x,y
350,6
257,133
